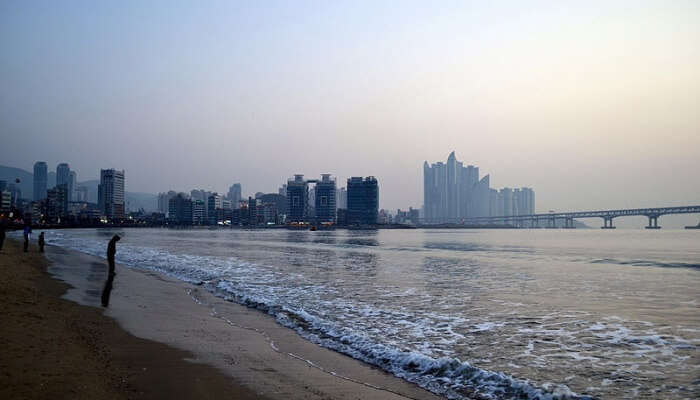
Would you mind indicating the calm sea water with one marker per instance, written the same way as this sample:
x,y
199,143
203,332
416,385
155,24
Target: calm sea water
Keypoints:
x,y
491,313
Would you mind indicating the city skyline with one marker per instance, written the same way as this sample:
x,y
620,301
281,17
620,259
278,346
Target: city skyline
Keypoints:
x,y
593,105
512,200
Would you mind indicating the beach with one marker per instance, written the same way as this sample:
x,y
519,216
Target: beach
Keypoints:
x,y
159,338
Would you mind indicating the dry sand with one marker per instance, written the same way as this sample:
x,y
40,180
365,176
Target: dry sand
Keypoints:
x,y
215,340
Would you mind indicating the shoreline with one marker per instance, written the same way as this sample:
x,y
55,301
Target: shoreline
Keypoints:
x,y
55,348
246,346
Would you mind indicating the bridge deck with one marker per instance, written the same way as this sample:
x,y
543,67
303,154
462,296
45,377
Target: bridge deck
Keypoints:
x,y
605,214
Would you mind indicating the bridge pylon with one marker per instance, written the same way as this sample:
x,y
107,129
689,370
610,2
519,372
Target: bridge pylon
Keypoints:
x,y
607,223
653,222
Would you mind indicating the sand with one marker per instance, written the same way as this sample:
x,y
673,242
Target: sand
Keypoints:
x,y
159,338
56,349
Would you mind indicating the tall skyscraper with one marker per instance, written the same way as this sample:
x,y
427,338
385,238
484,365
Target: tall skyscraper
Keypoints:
x,y
297,199
235,195
198,216
325,199
454,193
72,185
111,193
40,180
63,177
214,208
57,203
342,198
180,210
164,201
363,201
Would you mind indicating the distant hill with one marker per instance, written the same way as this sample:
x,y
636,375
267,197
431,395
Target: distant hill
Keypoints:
x,y
134,201
26,179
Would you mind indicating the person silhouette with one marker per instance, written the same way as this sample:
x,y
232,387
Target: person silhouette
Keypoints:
x,y
42,242
111,252
27,233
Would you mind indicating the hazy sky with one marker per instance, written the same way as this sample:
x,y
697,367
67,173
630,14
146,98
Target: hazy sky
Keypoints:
x,y
593,104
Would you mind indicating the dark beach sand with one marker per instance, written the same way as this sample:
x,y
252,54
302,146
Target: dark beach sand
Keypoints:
x,y
55,349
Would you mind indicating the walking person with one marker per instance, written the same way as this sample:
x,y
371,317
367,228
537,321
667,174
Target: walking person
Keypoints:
x,y
27,234
41,242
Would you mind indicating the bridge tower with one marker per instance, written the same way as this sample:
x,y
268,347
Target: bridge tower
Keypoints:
x,y
607,222
653,222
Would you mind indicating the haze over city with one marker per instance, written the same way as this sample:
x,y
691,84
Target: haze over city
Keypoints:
x,y
593,105
325,200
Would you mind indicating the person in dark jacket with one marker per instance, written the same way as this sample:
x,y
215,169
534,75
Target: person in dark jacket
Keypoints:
x,y
42,242
111,252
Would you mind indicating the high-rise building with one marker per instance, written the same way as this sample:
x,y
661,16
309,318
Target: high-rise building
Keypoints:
x,y
325,199
203,196
198,216
164,201
280,201
297,199
235,195
525,200
214,208
342,198
180,210
454,193
40,180
15,193
72,185
5,200
111,193
363,201
63,177
57,203
450,191
507,194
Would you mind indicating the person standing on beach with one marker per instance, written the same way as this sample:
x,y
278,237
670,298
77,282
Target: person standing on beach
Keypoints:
x,y
41,242
111,252
27,232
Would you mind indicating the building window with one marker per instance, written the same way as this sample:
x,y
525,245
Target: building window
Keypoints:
x,y
324,200
295,201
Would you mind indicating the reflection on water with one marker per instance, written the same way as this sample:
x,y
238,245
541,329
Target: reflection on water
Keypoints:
x,y
606,314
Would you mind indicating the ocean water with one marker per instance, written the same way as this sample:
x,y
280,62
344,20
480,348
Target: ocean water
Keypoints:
x,y
500,314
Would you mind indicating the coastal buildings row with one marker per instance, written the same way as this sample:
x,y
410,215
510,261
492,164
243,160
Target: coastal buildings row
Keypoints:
x,y
186,209
300,200
359,203
65,202
453,193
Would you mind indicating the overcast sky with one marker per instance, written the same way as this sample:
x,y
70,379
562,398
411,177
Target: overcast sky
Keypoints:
x,y
593,104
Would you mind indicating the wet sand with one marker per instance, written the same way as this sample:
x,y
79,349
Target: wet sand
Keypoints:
x,y
160,331
56,349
